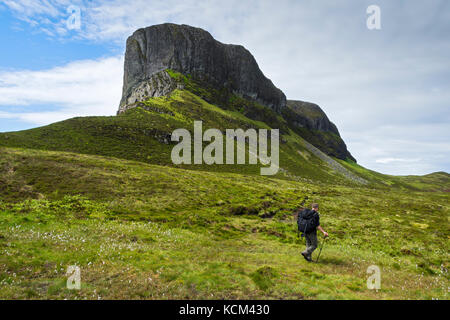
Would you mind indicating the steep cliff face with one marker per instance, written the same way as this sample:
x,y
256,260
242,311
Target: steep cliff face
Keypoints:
x,y
309,120
160,59
311,116
192,51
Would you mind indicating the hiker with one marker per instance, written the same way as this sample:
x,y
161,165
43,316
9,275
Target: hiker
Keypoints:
x,y
308,223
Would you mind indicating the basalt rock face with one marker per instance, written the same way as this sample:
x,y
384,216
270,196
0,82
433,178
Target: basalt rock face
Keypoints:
x,y
192,51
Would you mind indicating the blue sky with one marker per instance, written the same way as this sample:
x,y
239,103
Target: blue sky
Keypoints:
x,y
387,90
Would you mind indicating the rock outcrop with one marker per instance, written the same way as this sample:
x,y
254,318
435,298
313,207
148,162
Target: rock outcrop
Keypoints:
x,y
192,51
158,85
311,123
311,116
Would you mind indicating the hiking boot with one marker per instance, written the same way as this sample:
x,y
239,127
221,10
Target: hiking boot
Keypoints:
x,y
307,258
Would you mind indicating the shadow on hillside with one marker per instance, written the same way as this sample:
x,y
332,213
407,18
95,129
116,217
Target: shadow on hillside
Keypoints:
x,y
330,260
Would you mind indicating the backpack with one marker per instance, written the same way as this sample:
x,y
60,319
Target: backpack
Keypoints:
x,y
306,221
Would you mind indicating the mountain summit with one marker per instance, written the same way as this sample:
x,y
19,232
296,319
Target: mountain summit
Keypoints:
x,y
191,51
154,54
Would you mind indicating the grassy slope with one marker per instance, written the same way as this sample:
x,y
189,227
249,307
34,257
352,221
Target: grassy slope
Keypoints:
x,y
144,135
147,231
438,181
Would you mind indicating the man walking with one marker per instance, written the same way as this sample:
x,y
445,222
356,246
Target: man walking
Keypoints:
x,y
308,223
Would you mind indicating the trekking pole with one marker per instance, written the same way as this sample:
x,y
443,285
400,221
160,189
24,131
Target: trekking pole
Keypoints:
x,y
321,246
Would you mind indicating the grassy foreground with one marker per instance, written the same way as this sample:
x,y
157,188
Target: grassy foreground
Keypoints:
x,y
140,230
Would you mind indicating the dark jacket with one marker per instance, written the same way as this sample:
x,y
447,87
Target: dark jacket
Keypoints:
x,y
312,217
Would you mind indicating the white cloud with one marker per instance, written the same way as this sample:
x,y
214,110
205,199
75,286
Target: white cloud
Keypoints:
x,y
88,87
27,8
403,149
48,16
389,160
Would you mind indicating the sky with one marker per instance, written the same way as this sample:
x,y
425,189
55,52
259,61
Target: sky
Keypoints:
x,y
386,89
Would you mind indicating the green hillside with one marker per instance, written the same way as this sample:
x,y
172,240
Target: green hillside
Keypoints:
x,y
147,231
143,134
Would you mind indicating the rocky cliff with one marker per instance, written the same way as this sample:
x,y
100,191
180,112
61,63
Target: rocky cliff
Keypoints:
x,y
155,53
191,51
311,123
311,116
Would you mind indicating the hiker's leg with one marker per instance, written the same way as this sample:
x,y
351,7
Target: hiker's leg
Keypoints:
x,y
308,243
305,253
311,242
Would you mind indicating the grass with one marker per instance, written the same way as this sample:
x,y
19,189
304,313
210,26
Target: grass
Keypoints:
x,y
145,231
101,193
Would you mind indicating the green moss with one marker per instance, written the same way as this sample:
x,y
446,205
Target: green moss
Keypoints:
x,y
177,76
